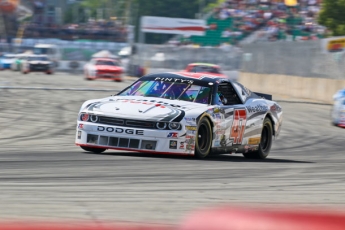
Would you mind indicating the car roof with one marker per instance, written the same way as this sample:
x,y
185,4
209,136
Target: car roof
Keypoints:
x,y
201,77
105,59
203,64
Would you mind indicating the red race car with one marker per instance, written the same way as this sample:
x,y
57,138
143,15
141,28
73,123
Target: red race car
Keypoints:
x,y
205,68
104,68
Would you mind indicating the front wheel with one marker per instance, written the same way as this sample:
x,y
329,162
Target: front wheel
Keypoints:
x,y
203,138
94,150
265,142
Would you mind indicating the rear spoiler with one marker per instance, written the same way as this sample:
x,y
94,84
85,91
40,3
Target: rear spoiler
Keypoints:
x,y
266,96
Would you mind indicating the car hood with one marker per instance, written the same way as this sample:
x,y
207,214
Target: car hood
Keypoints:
x,y
147,108
108,67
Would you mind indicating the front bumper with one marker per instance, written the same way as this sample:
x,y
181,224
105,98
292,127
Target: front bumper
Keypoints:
x,y
134,139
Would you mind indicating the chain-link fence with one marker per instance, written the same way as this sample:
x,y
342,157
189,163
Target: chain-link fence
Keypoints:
x,y
303,58
168,57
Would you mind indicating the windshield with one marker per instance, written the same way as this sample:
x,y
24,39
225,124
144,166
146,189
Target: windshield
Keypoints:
x,y
38,59
170,90
106,62
205,69
42,50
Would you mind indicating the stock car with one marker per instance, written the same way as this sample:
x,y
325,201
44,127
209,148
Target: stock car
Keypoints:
x,y
338,110
181,113
6,61
207,68
37,63
104,68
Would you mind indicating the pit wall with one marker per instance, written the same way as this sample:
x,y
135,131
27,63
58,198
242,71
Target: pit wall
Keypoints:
x,y
315,89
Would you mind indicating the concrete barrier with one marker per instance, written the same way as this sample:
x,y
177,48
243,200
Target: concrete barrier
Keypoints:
x,y
317,89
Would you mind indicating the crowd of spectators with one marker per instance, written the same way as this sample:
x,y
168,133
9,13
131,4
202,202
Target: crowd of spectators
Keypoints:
x,y
95,30
272,18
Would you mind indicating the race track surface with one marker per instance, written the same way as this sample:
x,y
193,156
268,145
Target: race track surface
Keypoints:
x,y
43,175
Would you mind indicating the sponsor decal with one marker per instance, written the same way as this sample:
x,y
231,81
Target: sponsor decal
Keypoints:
x,y
190,143
190,119
257,108
216,110
238,126
217,116
192,128
220,132
173,145
81,126
254,141
181,145
120,130
191,132
172,135
187,81
79,134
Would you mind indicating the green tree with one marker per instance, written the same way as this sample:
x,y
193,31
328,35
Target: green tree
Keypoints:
x,y
332,15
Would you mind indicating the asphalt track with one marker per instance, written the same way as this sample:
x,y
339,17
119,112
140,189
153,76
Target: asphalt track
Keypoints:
x,y
43,175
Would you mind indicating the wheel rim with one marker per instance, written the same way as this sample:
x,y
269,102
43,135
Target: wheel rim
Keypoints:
x,y
265,140
202,137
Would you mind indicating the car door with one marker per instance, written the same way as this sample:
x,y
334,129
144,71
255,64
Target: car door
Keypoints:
x,y
232,118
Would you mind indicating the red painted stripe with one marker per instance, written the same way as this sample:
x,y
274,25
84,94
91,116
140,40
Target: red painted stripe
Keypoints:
x,y
186,28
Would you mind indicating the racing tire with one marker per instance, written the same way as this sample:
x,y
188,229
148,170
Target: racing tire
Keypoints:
x,y
94,150
265,142
203,139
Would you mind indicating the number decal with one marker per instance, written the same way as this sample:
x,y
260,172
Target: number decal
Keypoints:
x,y
238,126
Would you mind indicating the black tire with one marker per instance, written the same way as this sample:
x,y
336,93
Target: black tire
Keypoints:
x,y
203,138
94,150
265,142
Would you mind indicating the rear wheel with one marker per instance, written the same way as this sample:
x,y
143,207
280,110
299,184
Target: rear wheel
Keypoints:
x,y
265,142
94,150
203,138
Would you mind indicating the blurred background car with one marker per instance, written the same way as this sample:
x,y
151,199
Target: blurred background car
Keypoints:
x,y
338,110
6,61
207,68
37,63
104,68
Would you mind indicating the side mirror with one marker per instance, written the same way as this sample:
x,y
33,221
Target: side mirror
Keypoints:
x,y
224,101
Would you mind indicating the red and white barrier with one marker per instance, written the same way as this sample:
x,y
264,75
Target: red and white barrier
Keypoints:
x,y
222,218
237,218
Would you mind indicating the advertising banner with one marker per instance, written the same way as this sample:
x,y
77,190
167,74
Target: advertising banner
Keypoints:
x,y
164,25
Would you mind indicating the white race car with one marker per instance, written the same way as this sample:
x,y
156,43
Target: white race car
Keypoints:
x,y
181,113
338,110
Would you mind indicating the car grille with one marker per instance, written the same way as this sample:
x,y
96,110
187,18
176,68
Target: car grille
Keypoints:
x,y
39,67
126,122
120,142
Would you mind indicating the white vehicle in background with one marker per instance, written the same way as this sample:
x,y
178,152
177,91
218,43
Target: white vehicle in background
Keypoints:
x,y
37,63
52,51
338,110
